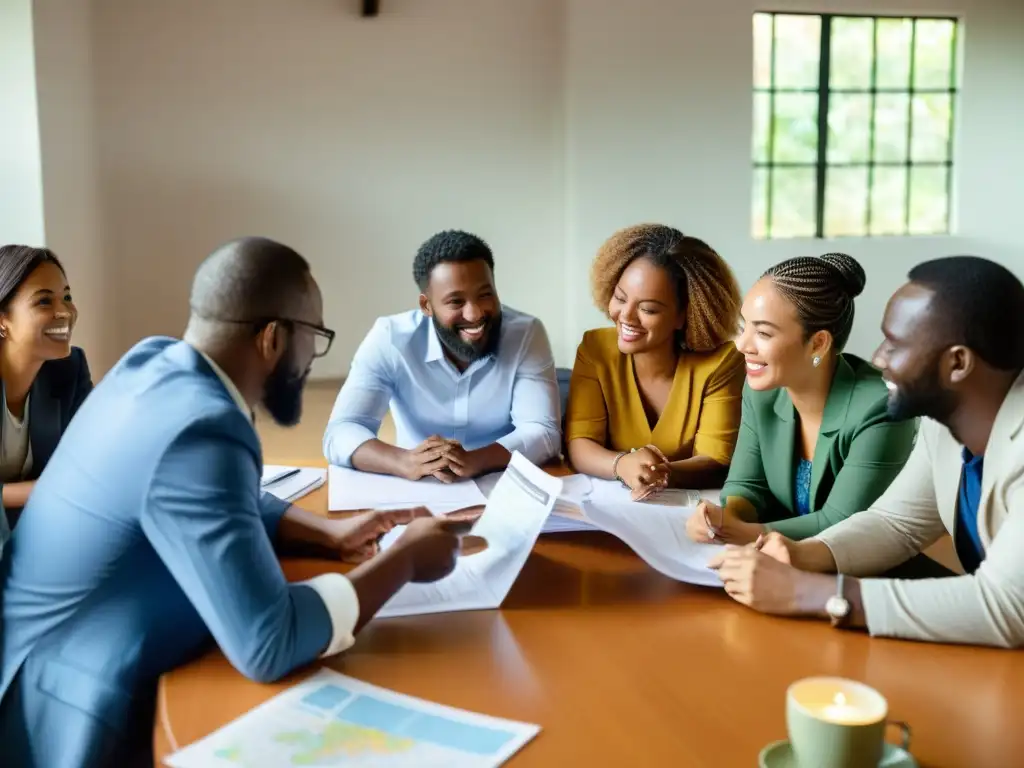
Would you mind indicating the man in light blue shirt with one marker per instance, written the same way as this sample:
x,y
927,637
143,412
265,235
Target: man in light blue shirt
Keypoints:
x,y
467,380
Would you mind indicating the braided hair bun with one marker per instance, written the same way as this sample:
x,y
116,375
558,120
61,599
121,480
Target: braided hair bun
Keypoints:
x,y
849,271
822,289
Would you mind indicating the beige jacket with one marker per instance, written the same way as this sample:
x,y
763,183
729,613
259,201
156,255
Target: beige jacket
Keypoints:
x,y
986,608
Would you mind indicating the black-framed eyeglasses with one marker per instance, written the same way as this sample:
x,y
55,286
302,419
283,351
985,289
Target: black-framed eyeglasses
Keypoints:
x,y
322,337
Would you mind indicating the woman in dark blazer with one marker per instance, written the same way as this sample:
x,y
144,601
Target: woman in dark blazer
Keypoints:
x,y
816,443
43,379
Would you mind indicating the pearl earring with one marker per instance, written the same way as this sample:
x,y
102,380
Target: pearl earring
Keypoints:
x,y
816,361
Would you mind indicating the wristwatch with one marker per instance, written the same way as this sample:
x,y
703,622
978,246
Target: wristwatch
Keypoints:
x,y
838,607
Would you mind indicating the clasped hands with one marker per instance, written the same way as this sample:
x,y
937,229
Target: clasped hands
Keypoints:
x,y
645,471
765,576
443,459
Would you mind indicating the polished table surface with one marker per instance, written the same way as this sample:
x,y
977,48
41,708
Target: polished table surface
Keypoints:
x,y
622,666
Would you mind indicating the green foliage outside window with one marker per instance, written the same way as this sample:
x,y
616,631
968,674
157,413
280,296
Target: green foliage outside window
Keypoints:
x,y
853,125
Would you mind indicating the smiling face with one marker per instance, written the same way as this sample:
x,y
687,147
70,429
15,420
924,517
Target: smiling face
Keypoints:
x,y
773,340
41,315
463,302
645,308
910,359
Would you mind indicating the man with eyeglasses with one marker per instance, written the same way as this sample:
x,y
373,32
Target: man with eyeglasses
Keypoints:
x,y
148,532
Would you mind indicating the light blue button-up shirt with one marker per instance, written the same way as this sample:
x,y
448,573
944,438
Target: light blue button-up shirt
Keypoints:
x,y
510,397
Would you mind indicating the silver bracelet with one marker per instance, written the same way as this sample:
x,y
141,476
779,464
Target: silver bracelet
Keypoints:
x,y
615,467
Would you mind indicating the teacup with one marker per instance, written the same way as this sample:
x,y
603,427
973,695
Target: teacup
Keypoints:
x,y
838,723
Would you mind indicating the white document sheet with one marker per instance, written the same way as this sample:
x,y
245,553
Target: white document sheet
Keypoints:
x,y
614,492
567,515
351,489
657,532
333,719
293,486
519,503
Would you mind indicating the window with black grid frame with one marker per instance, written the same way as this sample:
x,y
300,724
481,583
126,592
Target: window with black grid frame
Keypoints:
x,y
854,119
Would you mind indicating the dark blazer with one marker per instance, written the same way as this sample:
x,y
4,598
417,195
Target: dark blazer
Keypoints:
x,y
59,389
859,452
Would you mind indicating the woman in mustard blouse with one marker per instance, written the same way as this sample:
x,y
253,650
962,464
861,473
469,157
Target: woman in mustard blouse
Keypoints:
x,y
655,400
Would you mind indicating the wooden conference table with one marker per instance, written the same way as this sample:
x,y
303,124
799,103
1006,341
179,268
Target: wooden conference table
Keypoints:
x,y
622,666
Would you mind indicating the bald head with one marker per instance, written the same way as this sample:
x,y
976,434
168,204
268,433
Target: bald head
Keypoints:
x,y
251,279
258,314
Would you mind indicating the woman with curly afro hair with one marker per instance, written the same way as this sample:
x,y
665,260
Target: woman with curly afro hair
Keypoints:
x,y
655,401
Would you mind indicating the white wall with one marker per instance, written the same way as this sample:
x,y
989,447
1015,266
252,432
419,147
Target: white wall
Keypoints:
x,y
351,139
659,125
21,190
542,125
65,78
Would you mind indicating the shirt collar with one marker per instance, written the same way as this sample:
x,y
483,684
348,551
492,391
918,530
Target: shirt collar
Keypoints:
x,y
434,350
970,460
229,385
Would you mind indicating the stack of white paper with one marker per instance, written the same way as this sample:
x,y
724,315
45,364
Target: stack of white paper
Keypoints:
x,y
516,510
291,483
333,719
654,528
350,489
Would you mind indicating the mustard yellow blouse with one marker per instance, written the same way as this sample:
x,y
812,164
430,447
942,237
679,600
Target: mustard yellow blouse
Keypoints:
x,y
701,417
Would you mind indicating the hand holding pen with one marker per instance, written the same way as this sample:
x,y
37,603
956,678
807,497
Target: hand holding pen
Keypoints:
x,y
706,523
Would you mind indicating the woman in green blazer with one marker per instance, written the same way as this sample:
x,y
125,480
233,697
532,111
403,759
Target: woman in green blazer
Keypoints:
x,y
816,443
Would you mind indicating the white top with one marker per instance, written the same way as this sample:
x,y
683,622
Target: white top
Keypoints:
x,y
15,449
338,594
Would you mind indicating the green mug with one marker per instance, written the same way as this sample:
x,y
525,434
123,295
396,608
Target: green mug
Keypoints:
x,y
838,723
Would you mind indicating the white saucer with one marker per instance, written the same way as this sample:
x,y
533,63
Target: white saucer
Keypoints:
x,y
780,755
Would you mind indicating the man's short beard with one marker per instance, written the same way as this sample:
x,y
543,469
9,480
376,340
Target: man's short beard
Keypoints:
x,y
923,397
468,352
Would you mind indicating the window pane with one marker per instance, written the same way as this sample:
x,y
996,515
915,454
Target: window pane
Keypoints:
x,y
891,128
846,201
893,53
849,128
928,201
795,126
933,54
930,140
762,103
762,50
888,201
851,52
797,51
793,192
759,220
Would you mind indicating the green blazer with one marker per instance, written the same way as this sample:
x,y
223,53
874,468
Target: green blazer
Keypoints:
x,y
858,453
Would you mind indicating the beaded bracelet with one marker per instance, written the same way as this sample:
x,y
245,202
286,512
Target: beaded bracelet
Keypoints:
x,y
615,466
